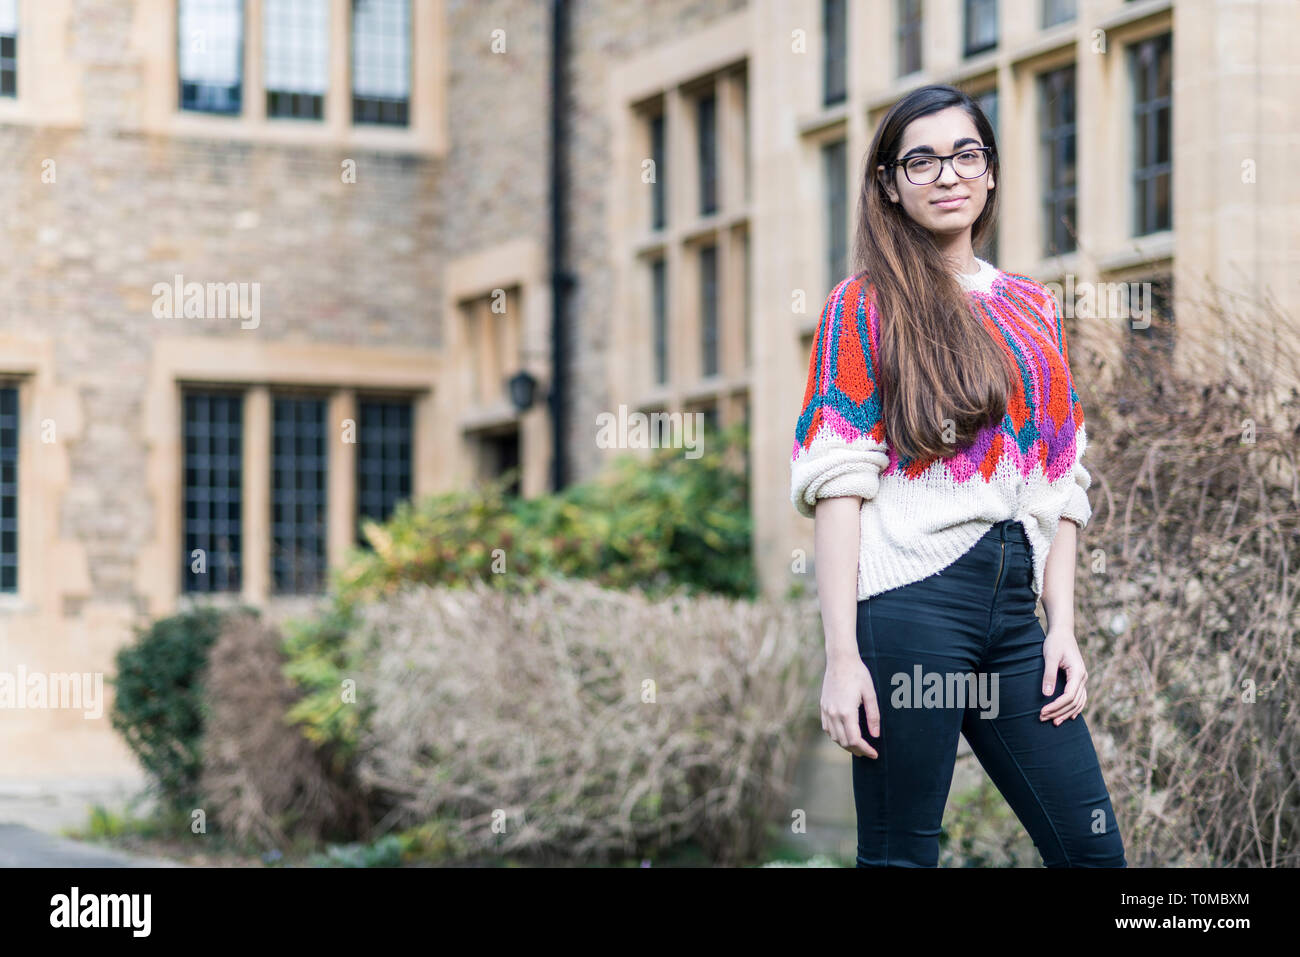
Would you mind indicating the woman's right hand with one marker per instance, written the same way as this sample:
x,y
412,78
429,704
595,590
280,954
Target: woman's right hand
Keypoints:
x,y
848,686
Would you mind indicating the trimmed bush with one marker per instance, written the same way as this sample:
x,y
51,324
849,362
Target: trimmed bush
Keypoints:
x,y
158,706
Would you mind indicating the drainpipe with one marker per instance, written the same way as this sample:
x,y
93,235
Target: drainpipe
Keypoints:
x,y
561,279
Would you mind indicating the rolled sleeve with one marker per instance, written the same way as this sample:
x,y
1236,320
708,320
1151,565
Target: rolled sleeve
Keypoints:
x,y
831,467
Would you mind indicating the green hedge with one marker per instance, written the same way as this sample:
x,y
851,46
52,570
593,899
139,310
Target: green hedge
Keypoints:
x,y
669,522
157,707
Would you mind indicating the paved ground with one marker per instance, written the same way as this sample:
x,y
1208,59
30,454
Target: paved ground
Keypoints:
x,y
22,846
32,815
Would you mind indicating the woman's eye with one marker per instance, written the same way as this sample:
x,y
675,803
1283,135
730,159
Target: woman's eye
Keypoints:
x,y
919,164
966,157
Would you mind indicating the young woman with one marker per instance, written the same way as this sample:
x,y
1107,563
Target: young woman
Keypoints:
x,y
939,450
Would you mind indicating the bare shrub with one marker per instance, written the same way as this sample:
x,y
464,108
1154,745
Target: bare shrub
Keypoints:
x,y
586,723
262,782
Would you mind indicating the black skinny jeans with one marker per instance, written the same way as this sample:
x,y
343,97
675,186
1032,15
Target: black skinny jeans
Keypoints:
x,y
974,618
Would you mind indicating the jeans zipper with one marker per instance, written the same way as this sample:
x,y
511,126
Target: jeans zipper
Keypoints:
x,y
993,604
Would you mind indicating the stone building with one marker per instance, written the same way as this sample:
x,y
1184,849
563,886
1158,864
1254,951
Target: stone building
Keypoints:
x,y
268,264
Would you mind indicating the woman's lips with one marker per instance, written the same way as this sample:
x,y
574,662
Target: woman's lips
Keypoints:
x,y
952,203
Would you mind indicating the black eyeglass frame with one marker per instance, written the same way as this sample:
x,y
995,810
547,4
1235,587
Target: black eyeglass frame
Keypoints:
x,y
988,152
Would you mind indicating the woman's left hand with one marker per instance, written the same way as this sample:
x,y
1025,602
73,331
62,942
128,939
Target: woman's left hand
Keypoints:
x,y
1061,651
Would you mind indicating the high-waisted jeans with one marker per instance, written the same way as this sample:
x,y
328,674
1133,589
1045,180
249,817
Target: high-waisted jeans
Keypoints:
x,y
962,650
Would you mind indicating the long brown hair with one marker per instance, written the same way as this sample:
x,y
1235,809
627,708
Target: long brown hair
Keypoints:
x,y
936,359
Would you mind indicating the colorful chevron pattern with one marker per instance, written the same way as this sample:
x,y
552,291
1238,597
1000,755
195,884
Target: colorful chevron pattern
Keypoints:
x,y
1043,418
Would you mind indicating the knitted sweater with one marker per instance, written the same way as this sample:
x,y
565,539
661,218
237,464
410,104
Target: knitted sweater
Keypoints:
x,y
918,518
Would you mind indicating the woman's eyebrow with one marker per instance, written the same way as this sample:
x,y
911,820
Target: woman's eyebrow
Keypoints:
x,y
956,145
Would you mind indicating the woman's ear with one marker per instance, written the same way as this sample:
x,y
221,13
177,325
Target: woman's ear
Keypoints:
x,y
889,188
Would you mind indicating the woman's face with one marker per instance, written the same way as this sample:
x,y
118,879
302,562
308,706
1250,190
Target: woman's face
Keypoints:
x,y
941,133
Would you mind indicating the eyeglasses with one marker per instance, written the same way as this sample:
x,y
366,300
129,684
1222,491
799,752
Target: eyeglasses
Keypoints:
x,y
924,168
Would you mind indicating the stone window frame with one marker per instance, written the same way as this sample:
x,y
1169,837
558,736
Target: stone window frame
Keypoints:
x,y
219,564
984,97
1056,239
15,386
48,89
815,139
909,37
975,13
278,393
495,344
53,572
659,319
260,371
1143,221
668,81
1054,13
427,130
836,205
296,573
375,107
522,266
835,16
239,8
385,470
297,104
9,63
1112,210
